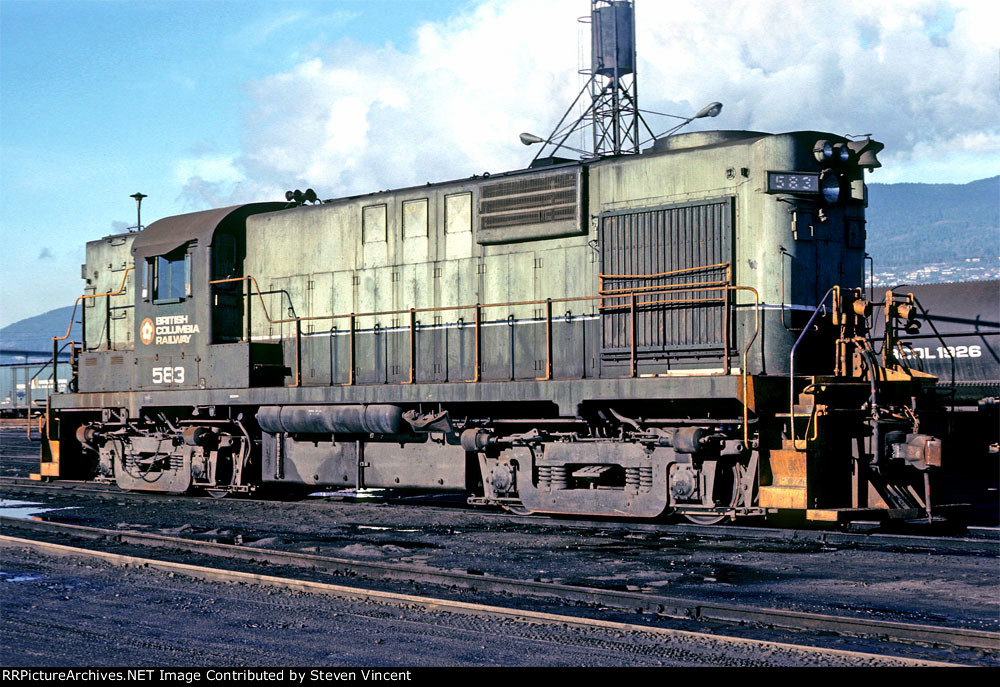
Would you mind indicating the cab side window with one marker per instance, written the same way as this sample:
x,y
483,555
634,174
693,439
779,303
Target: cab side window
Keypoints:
x,y
167,278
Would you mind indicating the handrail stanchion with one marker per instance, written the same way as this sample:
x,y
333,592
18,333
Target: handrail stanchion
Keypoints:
x,y
351,354
548,341
791,366
107,322
413,347
478,373
249,309
634,363
298,352
745,364
725,322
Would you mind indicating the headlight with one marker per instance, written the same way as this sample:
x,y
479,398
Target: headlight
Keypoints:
x,y
829,186
841,153
823,151
827,153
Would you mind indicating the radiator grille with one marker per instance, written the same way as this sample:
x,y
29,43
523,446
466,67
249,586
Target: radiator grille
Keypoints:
x,y
529,184
695,238
534,200
530,200
517,219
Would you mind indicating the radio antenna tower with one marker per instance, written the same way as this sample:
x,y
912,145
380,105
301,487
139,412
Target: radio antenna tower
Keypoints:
x,y
614,108
613,113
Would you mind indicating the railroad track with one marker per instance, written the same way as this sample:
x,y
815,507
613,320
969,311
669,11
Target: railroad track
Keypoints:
x,y
979,541
47,535
540,628
62,486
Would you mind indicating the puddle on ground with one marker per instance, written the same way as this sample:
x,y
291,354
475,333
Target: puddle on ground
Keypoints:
x,y
351,494
384,529
7,577
25,510
301,542
407,545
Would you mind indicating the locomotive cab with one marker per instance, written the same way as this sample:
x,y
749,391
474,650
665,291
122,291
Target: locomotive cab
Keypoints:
x,y
187,332
189,312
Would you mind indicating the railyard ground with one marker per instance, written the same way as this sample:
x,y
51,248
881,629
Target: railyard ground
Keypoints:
x,y
75,612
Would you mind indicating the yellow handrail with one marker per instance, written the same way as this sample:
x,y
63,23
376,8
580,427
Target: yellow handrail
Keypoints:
x,y
55,345
666,289
121,289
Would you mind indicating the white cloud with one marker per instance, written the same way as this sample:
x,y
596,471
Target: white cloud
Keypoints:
x,y
209,166
919,75
889,68
361,118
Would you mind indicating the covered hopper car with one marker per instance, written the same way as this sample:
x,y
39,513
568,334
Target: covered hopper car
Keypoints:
x,y
684,330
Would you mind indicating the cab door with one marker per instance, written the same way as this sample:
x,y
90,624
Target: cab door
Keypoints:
x,y
228,290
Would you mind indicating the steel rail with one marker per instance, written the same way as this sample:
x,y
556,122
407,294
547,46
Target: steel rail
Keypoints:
x,y
631,601
437,604
63,486
987,543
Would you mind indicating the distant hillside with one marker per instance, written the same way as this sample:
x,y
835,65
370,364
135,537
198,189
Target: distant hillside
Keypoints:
x,y
935,232
35,334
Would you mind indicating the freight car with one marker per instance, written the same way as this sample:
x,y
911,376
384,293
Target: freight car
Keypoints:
x,y
960,345
25,386
678,331
961,342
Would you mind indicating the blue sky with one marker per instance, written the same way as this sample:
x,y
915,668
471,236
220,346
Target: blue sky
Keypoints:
x,y
199,103
100,99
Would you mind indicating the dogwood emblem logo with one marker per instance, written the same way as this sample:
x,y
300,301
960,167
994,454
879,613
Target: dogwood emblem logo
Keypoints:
x,y
146,331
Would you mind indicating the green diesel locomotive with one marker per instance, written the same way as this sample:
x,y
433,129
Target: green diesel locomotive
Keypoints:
x,y
683,330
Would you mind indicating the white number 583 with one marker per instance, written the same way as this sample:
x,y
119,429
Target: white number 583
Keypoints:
x,y
168,375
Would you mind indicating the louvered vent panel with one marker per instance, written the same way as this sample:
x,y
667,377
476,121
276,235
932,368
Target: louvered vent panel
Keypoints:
x,y
694,243
542,205
529,184
517,219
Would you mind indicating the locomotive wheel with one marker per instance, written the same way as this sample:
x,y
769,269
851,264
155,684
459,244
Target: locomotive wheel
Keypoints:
x,y
706,519
727,485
